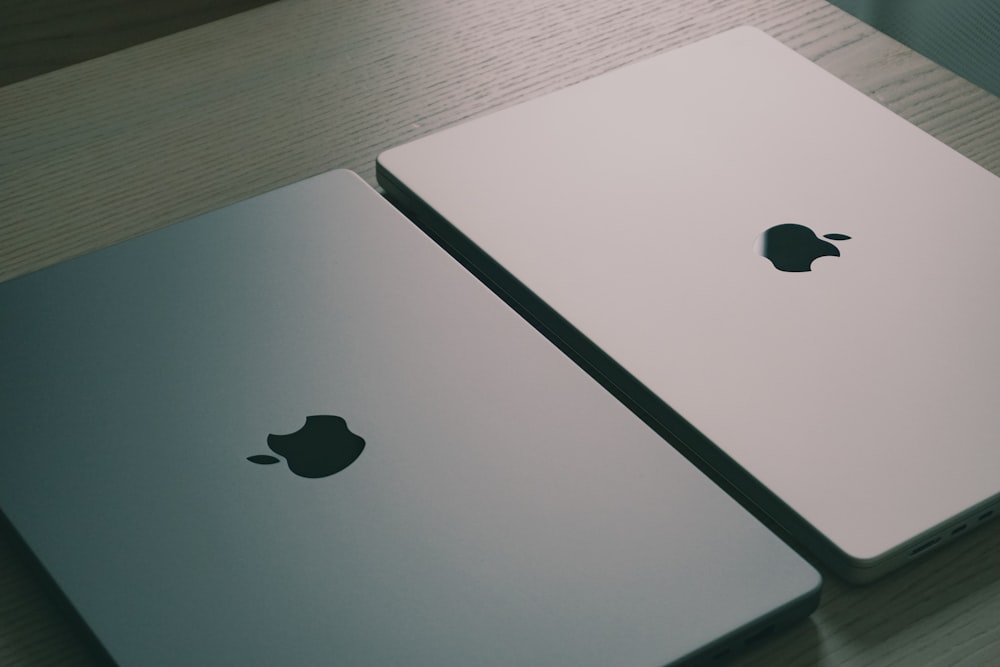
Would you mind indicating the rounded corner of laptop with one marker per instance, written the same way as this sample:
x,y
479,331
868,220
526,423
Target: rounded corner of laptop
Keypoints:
x,y
859,566
814,587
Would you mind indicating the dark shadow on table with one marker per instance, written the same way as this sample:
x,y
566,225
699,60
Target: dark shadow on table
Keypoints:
x,y
962,35
44,35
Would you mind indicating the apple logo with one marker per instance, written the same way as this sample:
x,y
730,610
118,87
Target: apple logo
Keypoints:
x,y
322,447
793,247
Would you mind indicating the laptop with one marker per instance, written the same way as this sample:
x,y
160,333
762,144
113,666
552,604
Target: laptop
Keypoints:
x,y
793,285
294,431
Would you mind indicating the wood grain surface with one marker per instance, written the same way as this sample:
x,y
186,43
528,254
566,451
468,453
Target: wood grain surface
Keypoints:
x,y
38,36
100,151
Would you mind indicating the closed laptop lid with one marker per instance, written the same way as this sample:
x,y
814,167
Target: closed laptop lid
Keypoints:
x,y
631,212
160,397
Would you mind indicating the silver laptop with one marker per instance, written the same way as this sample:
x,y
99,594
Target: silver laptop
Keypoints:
x,y
795,285
294,431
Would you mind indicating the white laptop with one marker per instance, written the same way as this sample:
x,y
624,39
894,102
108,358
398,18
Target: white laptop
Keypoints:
x,y
294,431
857,403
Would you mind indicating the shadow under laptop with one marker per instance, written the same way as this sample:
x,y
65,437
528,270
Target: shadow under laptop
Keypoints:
x,y
49,629
798,646
903,608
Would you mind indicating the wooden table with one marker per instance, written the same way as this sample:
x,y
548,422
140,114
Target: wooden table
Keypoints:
x,y
101,151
